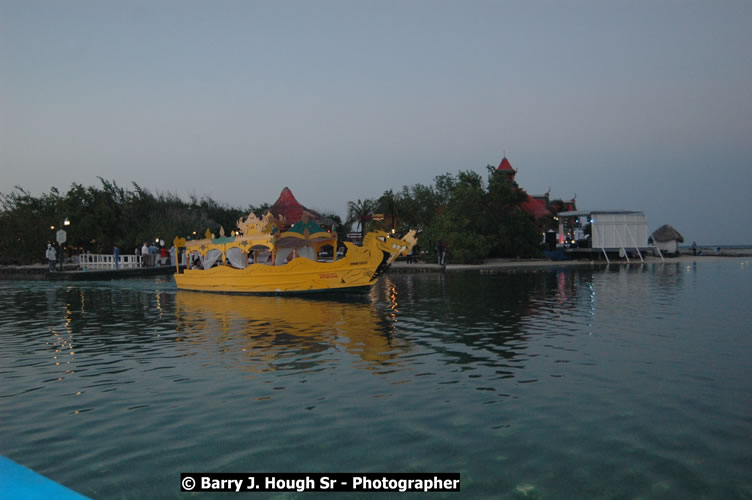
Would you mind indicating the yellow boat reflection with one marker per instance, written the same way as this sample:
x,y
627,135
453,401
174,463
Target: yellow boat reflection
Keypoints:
x,y
265,332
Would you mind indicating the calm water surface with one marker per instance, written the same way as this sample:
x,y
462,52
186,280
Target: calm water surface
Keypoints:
x,y
621,382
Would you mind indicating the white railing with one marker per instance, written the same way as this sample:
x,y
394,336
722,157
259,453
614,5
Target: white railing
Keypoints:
x,y
107,261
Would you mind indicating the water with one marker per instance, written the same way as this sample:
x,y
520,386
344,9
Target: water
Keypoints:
x,y
625,382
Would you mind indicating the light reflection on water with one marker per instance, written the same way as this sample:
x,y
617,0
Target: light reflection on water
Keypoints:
x,y
617,382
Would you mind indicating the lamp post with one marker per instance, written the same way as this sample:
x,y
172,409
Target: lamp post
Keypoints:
x,y
61,237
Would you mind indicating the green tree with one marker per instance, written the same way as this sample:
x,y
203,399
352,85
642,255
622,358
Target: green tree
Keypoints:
x,y
102,217
360,212
459,224
385,206
25,223
512,231
472,219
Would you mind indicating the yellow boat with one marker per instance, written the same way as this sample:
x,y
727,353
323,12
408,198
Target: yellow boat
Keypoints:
x,y
261,258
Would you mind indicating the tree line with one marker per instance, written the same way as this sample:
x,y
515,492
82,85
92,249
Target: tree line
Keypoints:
x,y
474,218
102,217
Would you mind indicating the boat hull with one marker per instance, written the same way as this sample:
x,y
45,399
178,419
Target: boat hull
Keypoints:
x,y
360,268
299,276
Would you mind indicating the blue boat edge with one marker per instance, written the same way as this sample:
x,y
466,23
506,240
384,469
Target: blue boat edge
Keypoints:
x,y
20,483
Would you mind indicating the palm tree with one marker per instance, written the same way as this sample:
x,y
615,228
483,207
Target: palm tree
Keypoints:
x,y
360,212
387,205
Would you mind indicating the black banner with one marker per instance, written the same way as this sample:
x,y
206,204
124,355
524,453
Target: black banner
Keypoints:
x,y
395,482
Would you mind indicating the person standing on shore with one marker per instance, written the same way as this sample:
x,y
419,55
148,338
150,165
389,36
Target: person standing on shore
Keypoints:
x,y
51,256
163,254
116,253
694,248
145,255
152,255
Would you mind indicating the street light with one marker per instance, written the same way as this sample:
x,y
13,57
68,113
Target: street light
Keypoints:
x,y
66,222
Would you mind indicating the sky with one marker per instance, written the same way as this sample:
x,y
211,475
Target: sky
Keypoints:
x,y
629,105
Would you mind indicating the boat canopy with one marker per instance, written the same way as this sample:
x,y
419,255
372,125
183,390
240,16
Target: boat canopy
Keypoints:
x,y
261,237
305,233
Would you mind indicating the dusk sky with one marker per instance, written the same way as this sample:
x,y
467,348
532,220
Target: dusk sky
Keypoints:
x,y
642,105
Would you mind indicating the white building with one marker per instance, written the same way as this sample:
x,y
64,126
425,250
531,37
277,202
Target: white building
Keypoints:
x,y
604,231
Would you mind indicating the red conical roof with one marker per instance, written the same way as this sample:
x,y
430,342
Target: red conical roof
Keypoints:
x,y
287,206
505,165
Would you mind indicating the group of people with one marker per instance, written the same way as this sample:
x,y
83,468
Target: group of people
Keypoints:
x,y
151,256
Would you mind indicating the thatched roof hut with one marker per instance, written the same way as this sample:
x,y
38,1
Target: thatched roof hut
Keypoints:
x,y
667,233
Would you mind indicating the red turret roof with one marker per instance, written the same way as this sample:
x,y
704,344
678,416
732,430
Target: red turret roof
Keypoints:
x,y
505,165
287,206
537,206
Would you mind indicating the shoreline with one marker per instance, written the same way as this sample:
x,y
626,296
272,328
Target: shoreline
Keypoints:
x,y
71,271
492,265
